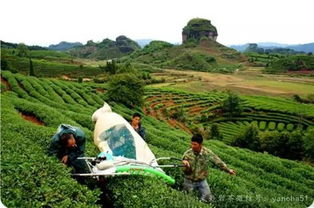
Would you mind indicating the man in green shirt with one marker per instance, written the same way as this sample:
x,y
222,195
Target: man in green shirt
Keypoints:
x,y
196,161
67,145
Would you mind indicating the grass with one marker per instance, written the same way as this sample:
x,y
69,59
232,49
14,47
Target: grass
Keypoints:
x,y
284,86
50,66
251,82
205,56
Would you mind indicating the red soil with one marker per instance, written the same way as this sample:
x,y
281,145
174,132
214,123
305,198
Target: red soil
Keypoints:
x,y
6,83
32,118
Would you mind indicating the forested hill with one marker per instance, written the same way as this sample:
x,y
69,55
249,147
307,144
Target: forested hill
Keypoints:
x,y
64,46
106,49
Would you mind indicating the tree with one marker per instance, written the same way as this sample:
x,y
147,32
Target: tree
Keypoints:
x,y
31,68
179,114
22,50
215,132
294,146
126,89
111,67
125,68
249,138
80,80
297,98
4,64
232,105
285,144
308,144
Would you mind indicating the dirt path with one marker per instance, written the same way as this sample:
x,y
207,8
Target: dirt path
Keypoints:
x,y
195,109
179,125
100,90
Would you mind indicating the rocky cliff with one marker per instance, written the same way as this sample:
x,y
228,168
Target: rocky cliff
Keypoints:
x,y
198,28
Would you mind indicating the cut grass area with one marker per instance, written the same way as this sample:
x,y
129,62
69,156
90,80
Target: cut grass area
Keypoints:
x,y
251,83
289,87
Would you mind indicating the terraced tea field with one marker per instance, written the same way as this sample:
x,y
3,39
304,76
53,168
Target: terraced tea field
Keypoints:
x,y
29,178
204,109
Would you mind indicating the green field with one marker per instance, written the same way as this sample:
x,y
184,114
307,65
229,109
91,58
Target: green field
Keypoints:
x,y
29,178
48,64
293,88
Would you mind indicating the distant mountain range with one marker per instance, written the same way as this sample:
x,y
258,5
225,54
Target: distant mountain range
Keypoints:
x,y
309,47
15,45
106,49
64,46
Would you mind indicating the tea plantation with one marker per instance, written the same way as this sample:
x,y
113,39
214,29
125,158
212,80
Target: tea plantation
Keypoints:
x,y
30,178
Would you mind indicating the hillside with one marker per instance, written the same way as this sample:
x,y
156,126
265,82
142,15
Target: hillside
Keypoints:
x,y
207,55
282,61
64,46
199,51
46,63
262,180
205,109
107,49
5,45
307,48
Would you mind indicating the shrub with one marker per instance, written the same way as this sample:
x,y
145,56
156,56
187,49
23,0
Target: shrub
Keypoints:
x,y
281,126
31,68
232,105
179,114
290,127
309,144
285,144
215,132
294,146
140,192
262,125
3,87
272,142
271,126
126,89
165,112
249,138
80,80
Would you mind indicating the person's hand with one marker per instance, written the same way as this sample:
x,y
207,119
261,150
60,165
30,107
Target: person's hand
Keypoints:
x,y
232,172
186,163
64,159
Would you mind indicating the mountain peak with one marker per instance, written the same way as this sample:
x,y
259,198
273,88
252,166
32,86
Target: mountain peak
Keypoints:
x,y
198,28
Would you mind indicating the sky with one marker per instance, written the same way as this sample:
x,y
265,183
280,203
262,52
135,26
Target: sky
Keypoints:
x,y
45,22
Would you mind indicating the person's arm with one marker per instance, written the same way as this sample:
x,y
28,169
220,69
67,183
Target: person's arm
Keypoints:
x,y
142,133
187,166
218,162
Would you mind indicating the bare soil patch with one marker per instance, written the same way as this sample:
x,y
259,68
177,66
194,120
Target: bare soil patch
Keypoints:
x,y
6,83
31,118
